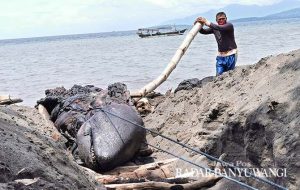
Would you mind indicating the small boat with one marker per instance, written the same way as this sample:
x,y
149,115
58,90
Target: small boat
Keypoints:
x,y
161,31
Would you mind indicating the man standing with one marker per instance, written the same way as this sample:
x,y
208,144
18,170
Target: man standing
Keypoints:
x,y
224,34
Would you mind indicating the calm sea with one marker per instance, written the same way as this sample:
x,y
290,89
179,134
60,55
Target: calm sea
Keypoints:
x,y
30,66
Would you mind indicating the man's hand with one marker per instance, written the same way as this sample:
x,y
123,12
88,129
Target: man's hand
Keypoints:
x,y
202,20
199,19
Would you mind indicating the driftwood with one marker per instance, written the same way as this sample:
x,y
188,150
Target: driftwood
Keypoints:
x,y
125,178
172,64
130,174
144,107
122,180
43,111
7,100
132,168
157,174
208,181
153,165
133,180
27,182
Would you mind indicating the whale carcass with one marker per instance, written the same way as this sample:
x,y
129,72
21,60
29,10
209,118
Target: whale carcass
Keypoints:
x,y
84,116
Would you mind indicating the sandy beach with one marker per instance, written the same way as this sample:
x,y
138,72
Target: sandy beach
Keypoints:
x,y
251,113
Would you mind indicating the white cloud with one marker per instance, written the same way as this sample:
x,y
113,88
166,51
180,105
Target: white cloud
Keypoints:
x,y
251,2
176,3
20,18
164,3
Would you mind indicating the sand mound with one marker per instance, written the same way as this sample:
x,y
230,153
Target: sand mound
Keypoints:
x,y
251,113
30,158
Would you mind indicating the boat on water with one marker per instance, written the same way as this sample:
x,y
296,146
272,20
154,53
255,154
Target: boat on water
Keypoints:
x,y
161,31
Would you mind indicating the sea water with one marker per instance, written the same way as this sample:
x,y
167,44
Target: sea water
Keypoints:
x,y
30,66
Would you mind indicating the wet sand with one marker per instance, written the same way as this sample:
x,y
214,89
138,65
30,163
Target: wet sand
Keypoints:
x,y
252,114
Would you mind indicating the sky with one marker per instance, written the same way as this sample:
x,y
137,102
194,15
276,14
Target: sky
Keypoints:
x,y
33,18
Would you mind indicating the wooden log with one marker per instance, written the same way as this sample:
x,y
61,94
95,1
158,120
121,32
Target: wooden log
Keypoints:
x,y
121,180
11,101
218,164
204,182
55,133
7,100
168,183
4,97
176,180
172,64
153,165
157,170
90,174
133,177
27,182
145,185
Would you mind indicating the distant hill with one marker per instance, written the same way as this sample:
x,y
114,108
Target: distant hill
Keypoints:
x,y
237,11
294,13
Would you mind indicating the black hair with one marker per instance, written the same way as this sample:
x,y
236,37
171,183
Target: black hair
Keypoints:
x,y
220,14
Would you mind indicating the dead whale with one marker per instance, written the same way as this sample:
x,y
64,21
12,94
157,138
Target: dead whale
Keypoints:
x,y
103,141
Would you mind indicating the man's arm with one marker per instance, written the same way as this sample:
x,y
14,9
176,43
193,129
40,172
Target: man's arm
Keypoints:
x,y
202,30
206,31
226,27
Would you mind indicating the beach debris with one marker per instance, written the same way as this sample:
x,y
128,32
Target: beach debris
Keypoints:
x,y
7,100
157,175
144,107
27,182
205,182
168,92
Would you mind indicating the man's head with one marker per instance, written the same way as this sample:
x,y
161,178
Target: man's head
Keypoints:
x,y
221,18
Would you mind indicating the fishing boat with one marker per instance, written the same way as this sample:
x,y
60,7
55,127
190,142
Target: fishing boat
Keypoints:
x,y
161,31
